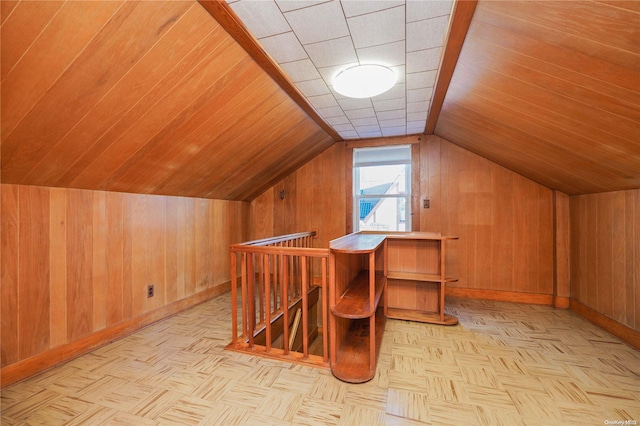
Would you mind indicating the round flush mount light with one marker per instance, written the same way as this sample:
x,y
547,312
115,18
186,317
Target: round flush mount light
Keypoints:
x,y
364,81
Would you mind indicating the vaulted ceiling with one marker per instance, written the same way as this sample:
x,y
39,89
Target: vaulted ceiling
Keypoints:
x,y
179,98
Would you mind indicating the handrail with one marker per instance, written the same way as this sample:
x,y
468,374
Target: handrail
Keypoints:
x,y
274,240
279,274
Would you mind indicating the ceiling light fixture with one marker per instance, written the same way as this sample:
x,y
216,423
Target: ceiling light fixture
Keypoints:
x,y
364,81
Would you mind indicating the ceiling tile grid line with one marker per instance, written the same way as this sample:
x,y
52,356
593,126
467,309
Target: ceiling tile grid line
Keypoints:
x,y
311,41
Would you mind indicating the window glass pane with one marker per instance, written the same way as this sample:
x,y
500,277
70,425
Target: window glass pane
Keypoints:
x,y
382,188
376,180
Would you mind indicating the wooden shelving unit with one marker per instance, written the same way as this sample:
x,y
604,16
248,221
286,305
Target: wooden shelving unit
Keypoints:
x,y
357,283
361,266
418,258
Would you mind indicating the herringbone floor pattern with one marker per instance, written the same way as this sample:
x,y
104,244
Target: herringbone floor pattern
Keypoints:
x,y
504,364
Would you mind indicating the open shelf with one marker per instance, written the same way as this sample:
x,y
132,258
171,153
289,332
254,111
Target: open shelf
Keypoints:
x,y
420,316
353,357
354,303
398,275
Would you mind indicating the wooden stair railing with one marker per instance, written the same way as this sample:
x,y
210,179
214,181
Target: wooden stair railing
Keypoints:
x,y
277,275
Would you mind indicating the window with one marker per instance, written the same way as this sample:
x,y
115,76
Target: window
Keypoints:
x,y
382,188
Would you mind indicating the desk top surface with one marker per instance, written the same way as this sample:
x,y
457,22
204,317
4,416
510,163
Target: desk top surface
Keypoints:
x,y
368,241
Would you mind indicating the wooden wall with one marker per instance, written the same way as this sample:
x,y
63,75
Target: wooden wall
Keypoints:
x,y
314,199
504,221
605,254
75,262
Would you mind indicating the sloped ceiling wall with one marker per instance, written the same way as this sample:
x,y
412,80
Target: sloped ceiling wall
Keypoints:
x,y
155,97
145,97
551,90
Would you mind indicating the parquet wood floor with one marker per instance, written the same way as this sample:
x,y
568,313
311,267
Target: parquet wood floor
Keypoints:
x,y
504,364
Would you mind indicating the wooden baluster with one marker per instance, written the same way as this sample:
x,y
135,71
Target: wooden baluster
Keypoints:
x,y
284,291
251,298
325,309
245,306
260,286
267,293
305,308
234,300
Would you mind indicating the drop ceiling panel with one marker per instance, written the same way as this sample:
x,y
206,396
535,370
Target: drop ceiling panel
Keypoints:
x,y
312,41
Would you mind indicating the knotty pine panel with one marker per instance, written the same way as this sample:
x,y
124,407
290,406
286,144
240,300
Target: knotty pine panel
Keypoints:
x,y
605,254
75,262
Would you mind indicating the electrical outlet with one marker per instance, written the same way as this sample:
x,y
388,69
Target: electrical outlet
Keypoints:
x,y
426,203
150,290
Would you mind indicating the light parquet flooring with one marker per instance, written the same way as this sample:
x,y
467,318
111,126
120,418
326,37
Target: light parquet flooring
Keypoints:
x,y
504,364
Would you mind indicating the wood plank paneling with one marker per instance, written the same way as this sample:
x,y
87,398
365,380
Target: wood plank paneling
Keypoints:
x,y
33,299
605,254
78,262
550,90
313,200
182,111
562,249
58,266
504,221
9,270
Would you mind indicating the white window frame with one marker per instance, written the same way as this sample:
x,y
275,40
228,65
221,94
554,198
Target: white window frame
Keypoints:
x,y
382,162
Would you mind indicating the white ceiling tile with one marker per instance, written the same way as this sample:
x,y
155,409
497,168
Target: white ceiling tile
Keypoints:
x,y
351,103
400,72
335,121
389,104
423,60
356,7
394,131
417,116
396,91
419,80
391,54
360,113
426,9
323,101
313,87
300,70
386,26
328,53
283,47
389,115
331,112
417,107
426,34
419,95
393,123
343,127
364,121
367,129
318,23
328,73
263,18
370,135
289,5
349,135
416,126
